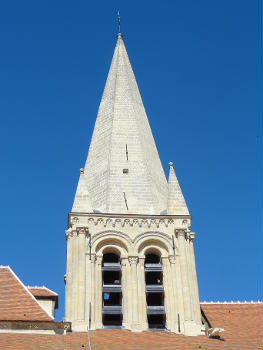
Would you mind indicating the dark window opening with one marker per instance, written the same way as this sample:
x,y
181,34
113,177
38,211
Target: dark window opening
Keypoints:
x,y
152,259
110,258
112,277
112,299
112,320
154,278
111,295
154,299
156,321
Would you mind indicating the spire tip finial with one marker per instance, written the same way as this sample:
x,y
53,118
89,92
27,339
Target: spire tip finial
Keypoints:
x,y
119,22
171,164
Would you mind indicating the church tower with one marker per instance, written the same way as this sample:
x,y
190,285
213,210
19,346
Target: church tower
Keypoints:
x,y
130,257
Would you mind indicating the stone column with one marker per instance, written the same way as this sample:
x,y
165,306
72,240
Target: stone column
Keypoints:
x,y
178,279
125,298
168,294
98,293
175,294
74,315
88,288
197,311
81,272
129,293
133,260
93,290
68,308
141,295
190,275
184,275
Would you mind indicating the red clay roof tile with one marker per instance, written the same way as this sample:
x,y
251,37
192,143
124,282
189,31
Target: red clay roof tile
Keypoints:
x,y
41,292
242,323
16,302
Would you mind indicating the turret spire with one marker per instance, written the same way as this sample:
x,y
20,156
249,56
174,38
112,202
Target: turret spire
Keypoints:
x,y
176,204
82,201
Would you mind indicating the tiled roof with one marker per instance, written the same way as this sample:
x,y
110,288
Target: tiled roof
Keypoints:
x,y
242,323
16,302
41,291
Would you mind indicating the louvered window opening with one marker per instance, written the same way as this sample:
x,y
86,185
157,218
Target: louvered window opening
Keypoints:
x,y
111,291
154,292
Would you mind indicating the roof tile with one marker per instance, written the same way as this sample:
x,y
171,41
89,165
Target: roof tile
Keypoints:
x,y
16,302
242,323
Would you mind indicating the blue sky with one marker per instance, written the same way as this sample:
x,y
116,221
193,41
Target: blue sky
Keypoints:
x,y
197,64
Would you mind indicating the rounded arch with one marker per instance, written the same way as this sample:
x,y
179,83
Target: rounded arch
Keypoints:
x,y
154,241
111,254
110,241
152,248
152,256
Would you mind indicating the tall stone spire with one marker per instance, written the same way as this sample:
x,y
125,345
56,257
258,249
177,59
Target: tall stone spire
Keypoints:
x,y
176,204
123,172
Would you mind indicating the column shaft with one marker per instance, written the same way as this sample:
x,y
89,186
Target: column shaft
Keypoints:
x,y
93,290
124,288
75,277
88,288
197,311
168,294
180,300
81,271
184,277
129,293
175,297
98,296
68,309
141,295
190,277
133,262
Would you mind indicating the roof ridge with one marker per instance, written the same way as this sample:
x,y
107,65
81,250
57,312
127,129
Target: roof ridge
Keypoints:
x,y
43,287
28,291
233,302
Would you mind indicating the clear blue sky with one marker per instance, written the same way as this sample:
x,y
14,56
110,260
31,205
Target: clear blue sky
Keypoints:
x,y
197,64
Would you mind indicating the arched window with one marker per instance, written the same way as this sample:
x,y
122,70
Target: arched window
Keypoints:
x,y
154,291
111,290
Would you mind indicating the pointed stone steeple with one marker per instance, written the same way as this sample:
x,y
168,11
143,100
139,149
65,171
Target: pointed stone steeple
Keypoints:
x,y
123,173
176,204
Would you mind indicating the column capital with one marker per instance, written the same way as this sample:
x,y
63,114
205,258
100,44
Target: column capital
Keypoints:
x,y
191,236
124,261
181,232
82,230
171,259
93,258
133,260
68,233
99,259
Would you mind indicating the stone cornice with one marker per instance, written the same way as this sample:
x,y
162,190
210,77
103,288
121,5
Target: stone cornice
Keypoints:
x,y
128,219
111,215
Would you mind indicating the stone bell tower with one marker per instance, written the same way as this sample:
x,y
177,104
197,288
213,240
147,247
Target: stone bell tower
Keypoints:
x,y
130,257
